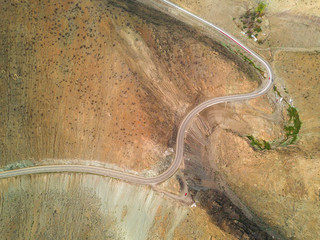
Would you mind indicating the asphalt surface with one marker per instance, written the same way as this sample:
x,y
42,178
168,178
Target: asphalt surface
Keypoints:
x,y
181,132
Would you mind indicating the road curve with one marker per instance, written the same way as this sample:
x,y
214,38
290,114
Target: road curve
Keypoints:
x,y
181,132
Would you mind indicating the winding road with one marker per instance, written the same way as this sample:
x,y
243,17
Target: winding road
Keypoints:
x,y
181,132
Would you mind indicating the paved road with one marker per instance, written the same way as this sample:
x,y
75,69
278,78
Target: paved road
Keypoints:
x,y
181,133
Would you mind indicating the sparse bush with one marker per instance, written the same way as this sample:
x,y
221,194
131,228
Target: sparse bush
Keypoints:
x,y
17,165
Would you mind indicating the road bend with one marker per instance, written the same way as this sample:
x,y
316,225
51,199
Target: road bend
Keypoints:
x,y
131,178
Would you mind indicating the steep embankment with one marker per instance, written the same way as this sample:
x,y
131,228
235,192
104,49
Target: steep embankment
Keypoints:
x,y
77,206
281,186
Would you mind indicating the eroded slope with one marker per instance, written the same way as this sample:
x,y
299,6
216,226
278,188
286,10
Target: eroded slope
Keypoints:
x,y
89,80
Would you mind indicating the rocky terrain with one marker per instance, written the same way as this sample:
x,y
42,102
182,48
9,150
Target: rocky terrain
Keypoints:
x,y
281,186
107,83
81,82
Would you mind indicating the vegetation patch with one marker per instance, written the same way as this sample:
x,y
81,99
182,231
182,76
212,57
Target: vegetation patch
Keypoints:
x,y
17,165
251,21
291,129
259,144
244,57
248,60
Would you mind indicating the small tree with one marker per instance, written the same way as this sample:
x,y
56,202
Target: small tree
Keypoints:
x,y
260,9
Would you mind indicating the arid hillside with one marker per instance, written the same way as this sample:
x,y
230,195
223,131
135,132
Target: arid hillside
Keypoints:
x,y
91,81
105,83
281,185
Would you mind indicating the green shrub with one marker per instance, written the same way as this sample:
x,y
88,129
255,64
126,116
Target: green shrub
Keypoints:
x,y
261,7
292,128
257,29
259,144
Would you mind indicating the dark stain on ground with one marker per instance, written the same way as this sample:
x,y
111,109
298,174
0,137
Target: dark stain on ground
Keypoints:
x,y
181,183
229,217
207,186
